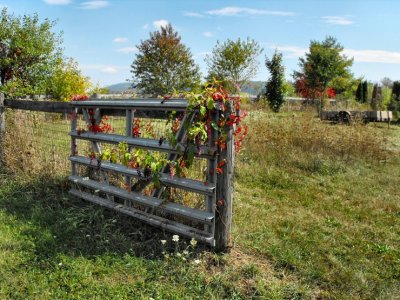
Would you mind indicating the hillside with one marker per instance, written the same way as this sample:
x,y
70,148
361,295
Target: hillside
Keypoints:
x,y
119,87
252,88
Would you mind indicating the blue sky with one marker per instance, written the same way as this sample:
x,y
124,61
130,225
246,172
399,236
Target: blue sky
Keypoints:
x,y
101,35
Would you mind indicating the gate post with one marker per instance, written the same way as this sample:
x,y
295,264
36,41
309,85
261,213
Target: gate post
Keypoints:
x,y
2,128
224,196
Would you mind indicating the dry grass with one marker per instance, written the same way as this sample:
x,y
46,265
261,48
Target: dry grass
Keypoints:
x,y
298,134
316,215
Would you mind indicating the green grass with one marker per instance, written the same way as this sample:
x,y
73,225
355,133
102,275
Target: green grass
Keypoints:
x,y
316,215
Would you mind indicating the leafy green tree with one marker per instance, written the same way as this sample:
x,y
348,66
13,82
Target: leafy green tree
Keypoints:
x,y
29,52
163,63
97,89
275,87
359,92
323,64
67,81
365,92
290,89
234,62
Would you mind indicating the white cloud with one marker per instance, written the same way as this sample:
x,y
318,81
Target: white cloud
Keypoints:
x,y
208,34
374,56
369,56
290,51
145,26
336,20
193,14
58,2
95,4
120,40
108,69
160,23
127,50
245,11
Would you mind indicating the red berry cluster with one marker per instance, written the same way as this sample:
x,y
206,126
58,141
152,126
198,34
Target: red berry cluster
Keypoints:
x,y
79,98
136,128
103,126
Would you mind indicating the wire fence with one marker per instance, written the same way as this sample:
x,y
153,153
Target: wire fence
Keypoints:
x,y
38,143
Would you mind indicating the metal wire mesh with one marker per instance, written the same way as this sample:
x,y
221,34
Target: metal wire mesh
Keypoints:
x,y
37,142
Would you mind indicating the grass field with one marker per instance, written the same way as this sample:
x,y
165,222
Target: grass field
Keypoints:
x,y
316,216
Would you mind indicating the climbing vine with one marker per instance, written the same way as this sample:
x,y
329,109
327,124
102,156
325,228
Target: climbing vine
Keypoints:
x,y
212,109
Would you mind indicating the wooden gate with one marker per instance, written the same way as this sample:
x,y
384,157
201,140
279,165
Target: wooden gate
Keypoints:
x,y
210,224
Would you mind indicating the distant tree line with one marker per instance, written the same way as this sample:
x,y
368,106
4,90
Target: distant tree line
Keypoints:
x,y
32,62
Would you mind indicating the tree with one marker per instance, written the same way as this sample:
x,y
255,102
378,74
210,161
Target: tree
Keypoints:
x,y
67,81
359,92
376,100
365,92
387,82
394,104
29,52
163,64
234,62
322,64
275,87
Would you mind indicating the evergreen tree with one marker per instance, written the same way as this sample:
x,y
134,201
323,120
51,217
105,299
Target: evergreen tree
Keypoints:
x,y
396,90
394,104
359,92
376,100
275,87
365,92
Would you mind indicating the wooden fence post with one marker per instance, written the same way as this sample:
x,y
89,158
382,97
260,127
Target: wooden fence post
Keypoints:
x,y
224,196
2,127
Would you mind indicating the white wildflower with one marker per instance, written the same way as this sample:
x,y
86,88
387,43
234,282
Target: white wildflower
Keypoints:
x,y
178,254
163,242
197,261
185,252
175,238
193,242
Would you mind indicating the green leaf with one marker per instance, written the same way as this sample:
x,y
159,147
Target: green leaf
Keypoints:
x,y
203,110
210,104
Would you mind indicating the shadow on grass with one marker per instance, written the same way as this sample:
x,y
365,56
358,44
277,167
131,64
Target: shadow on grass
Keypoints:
x,y
58,223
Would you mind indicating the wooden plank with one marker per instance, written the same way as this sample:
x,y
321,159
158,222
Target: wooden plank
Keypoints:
x,y
157,221
139,104
178,182
224,196
179,137
65,107
149,144
74,122
45,106
211,167
153,114
155,203
2,128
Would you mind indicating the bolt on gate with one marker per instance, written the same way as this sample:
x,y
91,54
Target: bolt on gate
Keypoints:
x,y
210,224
